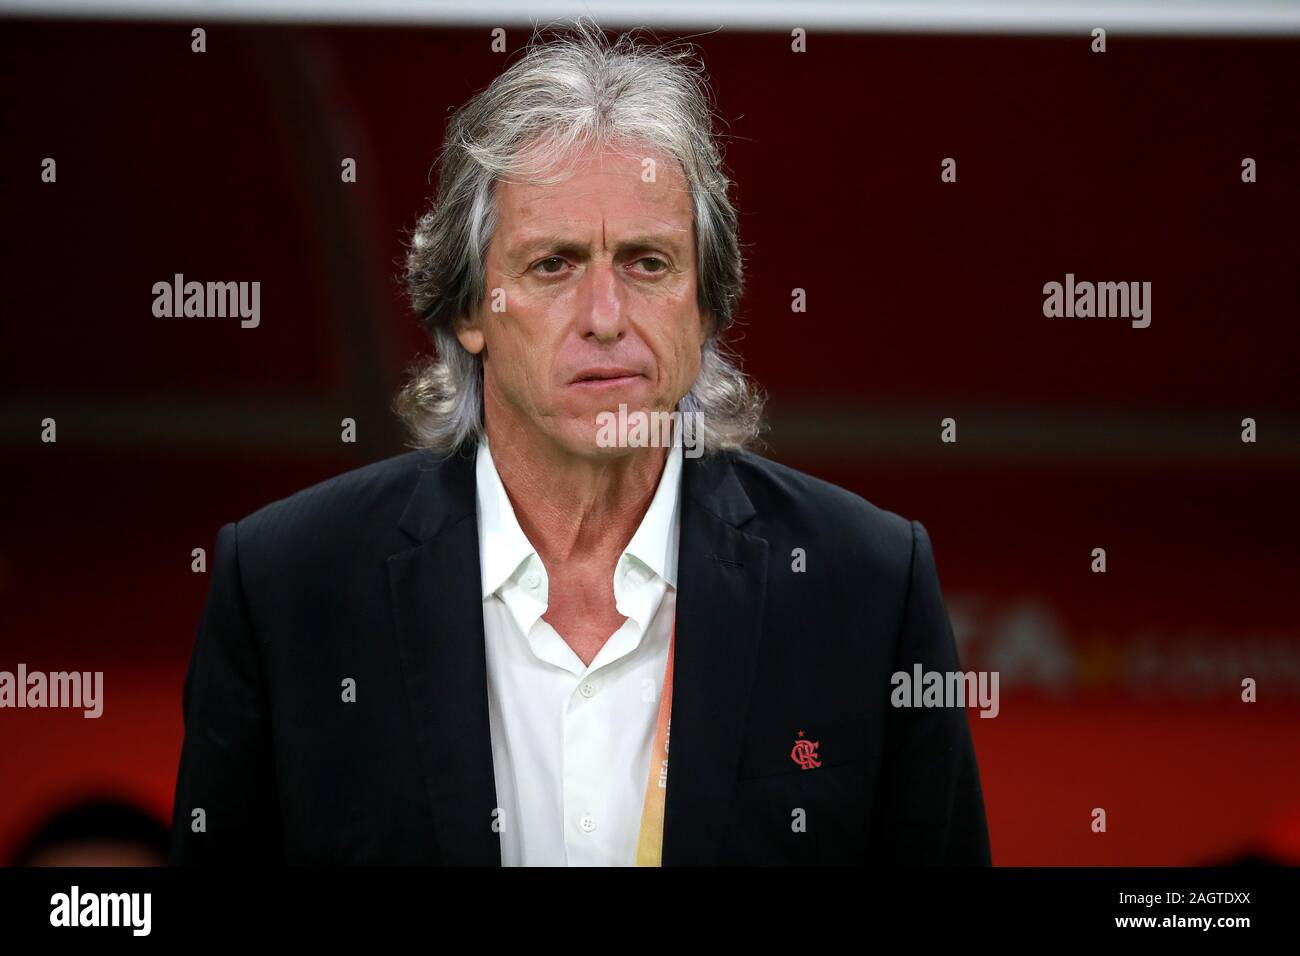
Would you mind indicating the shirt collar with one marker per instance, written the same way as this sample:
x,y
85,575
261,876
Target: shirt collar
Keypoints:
x,y
655,542
504,546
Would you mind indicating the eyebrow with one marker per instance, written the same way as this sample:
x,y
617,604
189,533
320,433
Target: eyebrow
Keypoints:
x,y
561,245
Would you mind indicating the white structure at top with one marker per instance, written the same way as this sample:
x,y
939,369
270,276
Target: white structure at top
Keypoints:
x,y
1117,17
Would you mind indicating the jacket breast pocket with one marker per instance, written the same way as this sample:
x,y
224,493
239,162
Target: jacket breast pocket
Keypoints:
x,y
780,747
803,798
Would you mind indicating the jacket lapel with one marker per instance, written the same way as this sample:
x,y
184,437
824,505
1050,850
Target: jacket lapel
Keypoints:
x,y
722,574
439,615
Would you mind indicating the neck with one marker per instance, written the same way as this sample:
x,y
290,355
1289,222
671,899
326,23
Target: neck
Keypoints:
x,y
573,508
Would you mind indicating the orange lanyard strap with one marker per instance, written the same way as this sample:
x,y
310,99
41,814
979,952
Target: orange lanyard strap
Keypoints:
x,y
650,842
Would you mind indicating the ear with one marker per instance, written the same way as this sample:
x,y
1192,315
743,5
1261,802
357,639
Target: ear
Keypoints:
x,y
708,325
470,334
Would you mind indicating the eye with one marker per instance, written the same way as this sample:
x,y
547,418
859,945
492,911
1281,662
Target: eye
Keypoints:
x,y
553,260
655,259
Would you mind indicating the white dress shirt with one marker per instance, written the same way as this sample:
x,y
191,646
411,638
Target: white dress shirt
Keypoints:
x,y
570,742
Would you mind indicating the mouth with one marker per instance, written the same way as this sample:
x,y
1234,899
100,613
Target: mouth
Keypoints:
x,y
600,379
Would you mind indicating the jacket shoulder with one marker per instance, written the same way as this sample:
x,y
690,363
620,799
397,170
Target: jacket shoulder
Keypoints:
x,y
791,504
317,536
359,496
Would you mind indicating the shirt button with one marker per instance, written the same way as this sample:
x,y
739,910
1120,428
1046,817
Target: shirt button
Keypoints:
x,y
588,823
587,690
532,580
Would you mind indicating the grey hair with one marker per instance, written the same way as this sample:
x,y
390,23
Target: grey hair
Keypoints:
x,y
564,94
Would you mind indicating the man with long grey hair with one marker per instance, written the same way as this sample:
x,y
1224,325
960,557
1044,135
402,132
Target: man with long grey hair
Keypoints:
x,y
476,652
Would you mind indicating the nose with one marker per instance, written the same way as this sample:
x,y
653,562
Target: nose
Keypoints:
x,y
602,317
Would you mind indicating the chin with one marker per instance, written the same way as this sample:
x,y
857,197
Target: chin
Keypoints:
x,y
582,432
580,439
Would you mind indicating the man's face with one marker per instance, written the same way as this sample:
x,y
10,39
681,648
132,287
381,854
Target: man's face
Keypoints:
x,y
597,278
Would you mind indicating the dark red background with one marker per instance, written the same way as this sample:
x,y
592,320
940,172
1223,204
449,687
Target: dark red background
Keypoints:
x,y
924,301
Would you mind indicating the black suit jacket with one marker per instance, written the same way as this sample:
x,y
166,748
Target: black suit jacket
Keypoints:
x,y
374,576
